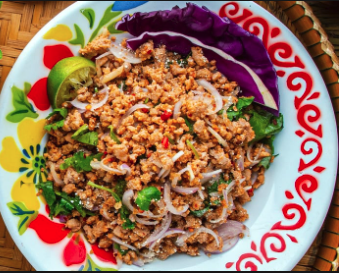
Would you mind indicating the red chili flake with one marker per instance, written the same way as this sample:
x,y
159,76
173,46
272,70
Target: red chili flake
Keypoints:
x,y
165,142
145,110
166,115
110,159
141,211
189,114
149,51
133,94
149,154
275,122
84,156
250,192
191,230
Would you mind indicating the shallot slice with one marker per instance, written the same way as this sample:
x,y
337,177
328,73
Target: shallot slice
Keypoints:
x,y
218,99
168,201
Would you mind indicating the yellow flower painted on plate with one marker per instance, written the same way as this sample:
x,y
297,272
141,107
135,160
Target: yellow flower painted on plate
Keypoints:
x,y
27,159
60,33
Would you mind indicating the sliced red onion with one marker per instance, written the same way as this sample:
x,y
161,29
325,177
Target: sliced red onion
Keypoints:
x,y
232,229
139,263
146,222
176,111
159,232
182,239
121,88
189,168
103,55
63,219
208,176
177,156
162,172
56,176
82,106
183,170
208,231
97,165
218,137
126,168
126,199
214,194
218,99
247,188
201,195
228,244
249,156
168,233
118,241
131,110
151,215
125,54
254,177
168,201
230,202
240,162
230,187
229,102
184,190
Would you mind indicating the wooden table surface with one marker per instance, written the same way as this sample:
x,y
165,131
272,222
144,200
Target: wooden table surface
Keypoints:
x,y
12,43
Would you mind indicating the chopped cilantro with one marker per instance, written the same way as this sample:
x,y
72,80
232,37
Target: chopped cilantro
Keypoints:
x,y
62,112
146,196
189,124
124,214
215,185
122,252
115,195
80,162
200,213
56,125
96,90
146,101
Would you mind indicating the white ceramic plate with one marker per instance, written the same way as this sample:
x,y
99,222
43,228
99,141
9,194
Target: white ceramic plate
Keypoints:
x,y
285,214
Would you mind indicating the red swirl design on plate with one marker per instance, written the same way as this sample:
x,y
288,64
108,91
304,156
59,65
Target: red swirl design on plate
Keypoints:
x,y
291,216
273,247
305,121
302,164
249,264
299,81
284,51
308,184
297,87
231,10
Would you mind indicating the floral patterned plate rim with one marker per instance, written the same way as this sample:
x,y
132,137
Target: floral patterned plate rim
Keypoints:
x,y
286,213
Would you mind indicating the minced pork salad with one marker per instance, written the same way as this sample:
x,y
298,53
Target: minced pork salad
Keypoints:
x,y
167,140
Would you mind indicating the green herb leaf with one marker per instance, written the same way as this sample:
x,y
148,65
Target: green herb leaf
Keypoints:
x,y
55,126
189,144
83,135
146,196
90,15
0,54
124,214
61,111
241,104
120,188
113,135
80,38
265,124
122,252
116,197
22,107
146,101
265,162
171,140
190,124
106,18
79,162
220,112
215,185
200,213
48,192
96,90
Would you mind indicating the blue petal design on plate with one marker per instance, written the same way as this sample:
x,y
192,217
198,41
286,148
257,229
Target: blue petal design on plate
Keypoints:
x,y
126,5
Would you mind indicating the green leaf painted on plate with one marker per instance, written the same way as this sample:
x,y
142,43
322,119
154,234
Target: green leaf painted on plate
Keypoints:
x,y
111,28
27,87
106,18
80,39
90,15
22,107
25,216
92,266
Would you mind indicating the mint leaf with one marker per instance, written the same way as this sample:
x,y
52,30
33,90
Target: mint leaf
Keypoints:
x,y
215,185
241,104
113,135
146,196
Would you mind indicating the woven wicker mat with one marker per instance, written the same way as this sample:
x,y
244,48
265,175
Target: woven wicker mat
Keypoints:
x,y
21,20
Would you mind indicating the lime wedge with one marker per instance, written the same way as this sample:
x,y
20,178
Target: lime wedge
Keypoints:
x,y
66,77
